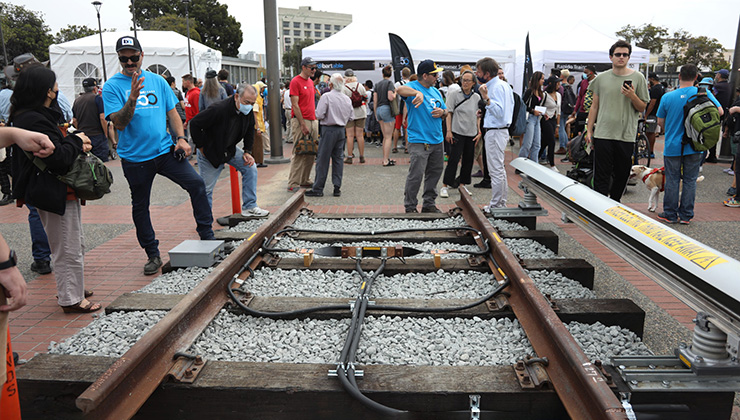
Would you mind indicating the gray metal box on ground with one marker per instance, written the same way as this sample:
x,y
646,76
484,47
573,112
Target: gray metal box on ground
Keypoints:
x,y
192,253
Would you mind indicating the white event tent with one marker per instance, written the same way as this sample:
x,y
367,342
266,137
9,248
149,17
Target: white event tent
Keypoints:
x,y
570,48
366,49
165,52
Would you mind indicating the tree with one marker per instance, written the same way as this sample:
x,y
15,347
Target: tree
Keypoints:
x,y
24,32
292,57
172,22
217,29
72,32
705,52
646,36
701,50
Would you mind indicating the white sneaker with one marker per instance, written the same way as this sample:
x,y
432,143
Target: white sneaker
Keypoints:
x,y
486,210
444,193
555,168
255,212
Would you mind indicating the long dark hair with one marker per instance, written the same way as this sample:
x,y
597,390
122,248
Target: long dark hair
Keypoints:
x,y
31,88
534,83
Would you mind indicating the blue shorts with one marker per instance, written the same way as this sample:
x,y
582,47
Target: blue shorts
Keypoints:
x,y
385,115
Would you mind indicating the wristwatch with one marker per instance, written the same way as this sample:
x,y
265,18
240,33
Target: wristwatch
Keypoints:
x,y
10,262
182,137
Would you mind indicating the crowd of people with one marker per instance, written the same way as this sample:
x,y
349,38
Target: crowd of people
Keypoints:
x,y
141,118
154,128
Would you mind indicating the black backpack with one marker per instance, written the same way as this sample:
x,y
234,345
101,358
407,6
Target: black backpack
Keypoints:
x,y
519,120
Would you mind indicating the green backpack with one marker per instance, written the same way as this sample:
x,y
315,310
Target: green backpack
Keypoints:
x,y
88,176
701,122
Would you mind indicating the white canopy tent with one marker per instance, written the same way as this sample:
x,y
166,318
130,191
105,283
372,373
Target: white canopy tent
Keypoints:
x,y
165,52
572,49
366,49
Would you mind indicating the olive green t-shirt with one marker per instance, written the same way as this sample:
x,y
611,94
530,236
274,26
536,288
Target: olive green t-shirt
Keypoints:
x,y
617,118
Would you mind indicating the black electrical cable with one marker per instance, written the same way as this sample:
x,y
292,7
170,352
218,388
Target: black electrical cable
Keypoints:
x,y
230,290
384,232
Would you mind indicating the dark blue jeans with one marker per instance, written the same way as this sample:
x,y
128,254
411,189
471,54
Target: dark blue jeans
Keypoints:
x,y
680,169
39,242
140,176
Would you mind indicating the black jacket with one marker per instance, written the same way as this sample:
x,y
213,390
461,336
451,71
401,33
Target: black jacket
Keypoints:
x,y
41,189
530,100
219,128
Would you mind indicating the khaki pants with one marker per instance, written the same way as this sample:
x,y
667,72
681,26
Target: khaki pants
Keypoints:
x,y
300,165
67,249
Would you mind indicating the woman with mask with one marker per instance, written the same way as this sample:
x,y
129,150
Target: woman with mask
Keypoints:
x,y
533,97
33,108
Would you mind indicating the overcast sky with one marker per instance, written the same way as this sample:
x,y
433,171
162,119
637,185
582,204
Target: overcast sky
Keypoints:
x,y
500,21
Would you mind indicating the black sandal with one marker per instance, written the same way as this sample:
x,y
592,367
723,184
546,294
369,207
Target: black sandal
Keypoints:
x,y
390,163
79,308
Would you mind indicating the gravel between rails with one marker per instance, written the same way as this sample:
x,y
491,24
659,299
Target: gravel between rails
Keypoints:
x,y
291,243
109,335
529,249
369,225
385,340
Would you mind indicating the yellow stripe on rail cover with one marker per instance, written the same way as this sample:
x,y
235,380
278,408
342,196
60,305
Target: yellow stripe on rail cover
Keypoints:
x,y
495,236
692,252
371,248
250,238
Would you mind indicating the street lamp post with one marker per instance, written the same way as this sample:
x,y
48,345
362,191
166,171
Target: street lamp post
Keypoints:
x,y
187,22
97,5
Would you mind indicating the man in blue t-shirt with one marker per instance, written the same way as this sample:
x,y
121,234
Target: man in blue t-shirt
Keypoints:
x,y
426,109
139,103
681,162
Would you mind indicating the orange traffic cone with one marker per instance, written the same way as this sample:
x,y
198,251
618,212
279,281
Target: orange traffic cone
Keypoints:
x,y
10,406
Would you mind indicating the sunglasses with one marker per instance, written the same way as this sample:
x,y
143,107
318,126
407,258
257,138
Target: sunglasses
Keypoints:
x,y
133,58
621,55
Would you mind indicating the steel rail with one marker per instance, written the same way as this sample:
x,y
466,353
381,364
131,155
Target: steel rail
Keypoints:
x,y
130,381
578,383
696,274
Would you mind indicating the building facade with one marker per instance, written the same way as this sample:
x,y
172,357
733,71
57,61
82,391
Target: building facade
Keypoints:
x,y
304,23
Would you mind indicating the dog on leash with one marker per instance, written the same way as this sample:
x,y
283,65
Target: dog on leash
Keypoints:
x,y
654,179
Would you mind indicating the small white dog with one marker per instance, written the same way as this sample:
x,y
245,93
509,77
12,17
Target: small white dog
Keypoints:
x,y
654,179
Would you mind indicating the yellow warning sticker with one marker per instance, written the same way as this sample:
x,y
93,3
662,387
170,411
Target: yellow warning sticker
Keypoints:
x,y
682,246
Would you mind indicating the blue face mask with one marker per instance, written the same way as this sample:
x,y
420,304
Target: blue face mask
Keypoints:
x,y
584,76
481,79
245,109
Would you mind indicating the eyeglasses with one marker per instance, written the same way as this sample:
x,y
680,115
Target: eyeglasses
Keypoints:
x,y
621,55
312,68
467,80
133,58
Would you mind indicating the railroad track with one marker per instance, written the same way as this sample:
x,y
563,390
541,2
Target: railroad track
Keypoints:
x,y
158,378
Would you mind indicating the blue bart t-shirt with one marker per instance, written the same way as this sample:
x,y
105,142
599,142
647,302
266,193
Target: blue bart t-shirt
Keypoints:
x,y
671,108
145,137
423,128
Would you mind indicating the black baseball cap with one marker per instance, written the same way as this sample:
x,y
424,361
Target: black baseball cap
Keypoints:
x,y
89,82
428,66
127,43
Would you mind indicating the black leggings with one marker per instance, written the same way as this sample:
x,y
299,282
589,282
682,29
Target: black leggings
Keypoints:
x,y
461,146
547,128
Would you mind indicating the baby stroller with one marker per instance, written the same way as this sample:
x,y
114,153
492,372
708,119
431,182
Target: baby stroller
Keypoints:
x,y
579,153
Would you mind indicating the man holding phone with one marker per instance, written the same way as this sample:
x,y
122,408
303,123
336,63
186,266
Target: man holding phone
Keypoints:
x,y
620,95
